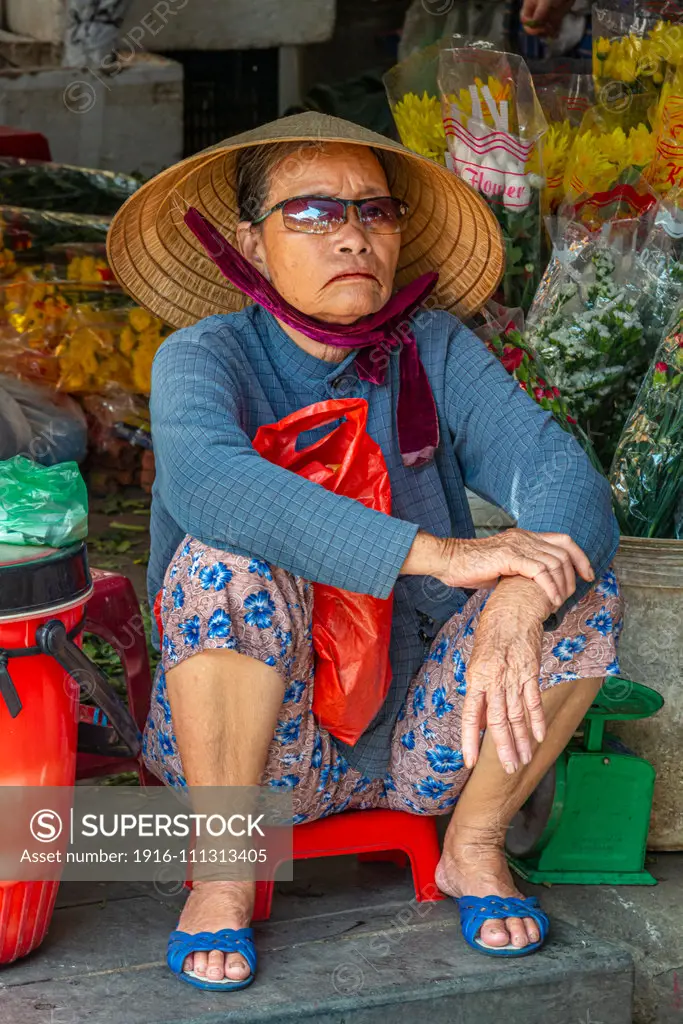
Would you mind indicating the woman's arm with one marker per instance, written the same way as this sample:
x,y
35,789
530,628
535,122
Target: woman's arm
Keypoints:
x,y
515,455
220,490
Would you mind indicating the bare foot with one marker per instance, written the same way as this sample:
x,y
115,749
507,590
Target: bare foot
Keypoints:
x,y
210,907
479,868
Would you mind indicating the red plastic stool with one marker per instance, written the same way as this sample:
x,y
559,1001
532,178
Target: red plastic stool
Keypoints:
x,y
115,602
373,835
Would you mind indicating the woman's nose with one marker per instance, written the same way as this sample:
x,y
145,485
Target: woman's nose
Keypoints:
x,y
352,237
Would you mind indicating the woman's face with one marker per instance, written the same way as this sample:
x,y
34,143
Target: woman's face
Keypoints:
x,y
340,276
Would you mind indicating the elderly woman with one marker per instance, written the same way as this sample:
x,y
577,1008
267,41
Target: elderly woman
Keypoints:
x,y
506,638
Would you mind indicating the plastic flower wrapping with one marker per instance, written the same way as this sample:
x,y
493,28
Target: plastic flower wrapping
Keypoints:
x,y
634,48
600,155
603,304
26,236
564,98
502,330
647,471
64,320
415,105
413,94
666,170
494,124
79,336
60,187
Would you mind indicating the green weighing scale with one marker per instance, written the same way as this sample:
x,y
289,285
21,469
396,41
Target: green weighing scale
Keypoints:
x,y
587,821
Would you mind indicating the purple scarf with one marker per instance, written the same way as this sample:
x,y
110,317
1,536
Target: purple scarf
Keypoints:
x,y
374,335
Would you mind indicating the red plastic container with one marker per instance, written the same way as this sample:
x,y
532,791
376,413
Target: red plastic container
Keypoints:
x,y
43,594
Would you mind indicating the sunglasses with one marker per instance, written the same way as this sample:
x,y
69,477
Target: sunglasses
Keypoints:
x,y
383,215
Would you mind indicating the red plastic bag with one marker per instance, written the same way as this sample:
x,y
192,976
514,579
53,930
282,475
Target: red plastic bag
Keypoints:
x,y
351,631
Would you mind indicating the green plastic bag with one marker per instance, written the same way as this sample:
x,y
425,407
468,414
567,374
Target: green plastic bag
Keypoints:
x,y
45,505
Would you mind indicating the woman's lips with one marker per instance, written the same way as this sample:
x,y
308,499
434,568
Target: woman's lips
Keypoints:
x,y
353,274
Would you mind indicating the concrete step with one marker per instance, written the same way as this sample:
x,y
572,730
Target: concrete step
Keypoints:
x,y
346,945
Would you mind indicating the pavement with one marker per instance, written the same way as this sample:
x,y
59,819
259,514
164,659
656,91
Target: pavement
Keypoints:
x,y
346,944
644,921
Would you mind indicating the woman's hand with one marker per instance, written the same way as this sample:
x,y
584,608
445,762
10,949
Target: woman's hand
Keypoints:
x,y
549,559
543,17
503,694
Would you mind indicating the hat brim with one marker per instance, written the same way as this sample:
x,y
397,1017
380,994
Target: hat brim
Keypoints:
x,y
158,260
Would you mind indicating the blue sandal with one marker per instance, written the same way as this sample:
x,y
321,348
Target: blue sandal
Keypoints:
x,y
474,910
228,940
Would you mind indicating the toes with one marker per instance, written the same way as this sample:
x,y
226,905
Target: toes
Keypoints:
x,y
511,931
200,961
216,965
517,931
236,967
494,933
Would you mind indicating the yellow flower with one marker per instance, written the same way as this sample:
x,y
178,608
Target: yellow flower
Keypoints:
x,y
114,368
418,119
588,168
142,368
127,341
8,264
601,48
87,268
140,319
556,143
641,143
666,41
614,146
623,66
152,337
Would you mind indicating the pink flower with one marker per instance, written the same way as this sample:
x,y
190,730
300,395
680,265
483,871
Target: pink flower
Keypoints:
x,y
661,367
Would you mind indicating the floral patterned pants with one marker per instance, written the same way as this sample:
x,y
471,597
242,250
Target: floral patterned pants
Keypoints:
x,y
212,599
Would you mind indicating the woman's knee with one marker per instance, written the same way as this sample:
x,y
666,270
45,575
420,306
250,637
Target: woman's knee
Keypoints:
x,y
216,600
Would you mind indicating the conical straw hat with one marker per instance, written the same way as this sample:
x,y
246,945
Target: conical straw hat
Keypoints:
x,y
158,260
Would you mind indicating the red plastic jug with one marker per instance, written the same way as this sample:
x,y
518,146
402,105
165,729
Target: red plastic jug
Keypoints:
x,y
43,594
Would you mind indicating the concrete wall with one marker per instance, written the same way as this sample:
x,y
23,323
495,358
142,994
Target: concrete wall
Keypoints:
x,y
43,19
132,121
192,24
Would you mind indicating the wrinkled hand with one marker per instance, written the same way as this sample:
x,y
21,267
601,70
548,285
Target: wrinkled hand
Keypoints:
x,y
503,694
543,17
551,560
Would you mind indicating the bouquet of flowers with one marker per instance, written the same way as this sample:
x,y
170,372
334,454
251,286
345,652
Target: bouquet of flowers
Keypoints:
x,y
503,334
80,337
494,124
647,471
601,154
632,52
564,99
602,306
415,105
